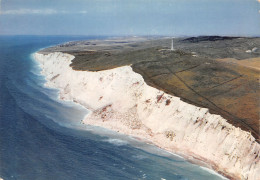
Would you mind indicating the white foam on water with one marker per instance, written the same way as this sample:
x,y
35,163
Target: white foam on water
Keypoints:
x,y
139,157
213,172
117,142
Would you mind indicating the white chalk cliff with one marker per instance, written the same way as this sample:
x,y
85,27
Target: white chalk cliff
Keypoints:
x,y
120,100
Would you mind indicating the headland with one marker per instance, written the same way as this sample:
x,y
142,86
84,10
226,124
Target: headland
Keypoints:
x,y
200,100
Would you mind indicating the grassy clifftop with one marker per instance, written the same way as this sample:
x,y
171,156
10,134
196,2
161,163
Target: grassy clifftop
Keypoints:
x,y
219,73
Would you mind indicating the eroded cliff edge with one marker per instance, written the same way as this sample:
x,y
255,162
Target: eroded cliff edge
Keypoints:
x,y
218,73
121,100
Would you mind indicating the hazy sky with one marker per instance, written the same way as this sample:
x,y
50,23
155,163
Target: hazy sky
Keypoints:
x,y
130,17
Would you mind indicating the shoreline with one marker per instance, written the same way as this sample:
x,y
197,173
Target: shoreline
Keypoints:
x,y
188,157
207,167
97,111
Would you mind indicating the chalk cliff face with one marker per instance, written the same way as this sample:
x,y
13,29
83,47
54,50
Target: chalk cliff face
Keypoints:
x,y
120,100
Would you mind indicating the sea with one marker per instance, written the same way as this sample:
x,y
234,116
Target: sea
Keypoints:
x,y
41,137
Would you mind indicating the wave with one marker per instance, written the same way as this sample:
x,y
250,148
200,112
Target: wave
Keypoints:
x,y
117,142
139,157
213,172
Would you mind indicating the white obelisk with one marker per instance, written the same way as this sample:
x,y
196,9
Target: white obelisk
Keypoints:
x,y
172,45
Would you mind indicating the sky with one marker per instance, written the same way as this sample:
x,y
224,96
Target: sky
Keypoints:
x,y
130,17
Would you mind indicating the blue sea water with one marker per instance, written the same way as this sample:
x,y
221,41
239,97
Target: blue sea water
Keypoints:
x,y
41,139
